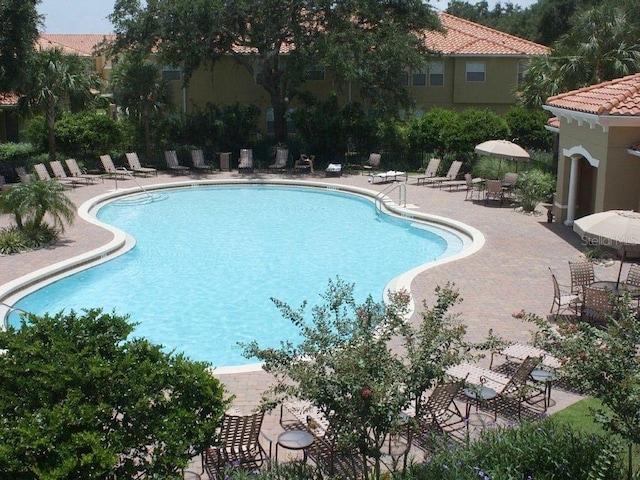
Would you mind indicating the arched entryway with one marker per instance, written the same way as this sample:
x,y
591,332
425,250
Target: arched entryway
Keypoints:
x,y
583,178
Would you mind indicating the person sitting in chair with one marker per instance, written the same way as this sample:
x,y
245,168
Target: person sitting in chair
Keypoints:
x,y
305,161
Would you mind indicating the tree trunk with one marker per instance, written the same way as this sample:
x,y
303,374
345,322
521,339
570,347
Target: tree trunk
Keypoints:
x,y
147,132
51,123
279,118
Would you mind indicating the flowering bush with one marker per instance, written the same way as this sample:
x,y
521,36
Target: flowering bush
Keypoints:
x,y
345,365
531,451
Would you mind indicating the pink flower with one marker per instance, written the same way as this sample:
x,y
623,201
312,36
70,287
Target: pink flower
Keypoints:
x,y
366,393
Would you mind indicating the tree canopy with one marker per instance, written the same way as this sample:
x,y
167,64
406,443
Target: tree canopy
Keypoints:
x,y
79,399
365,42
19,22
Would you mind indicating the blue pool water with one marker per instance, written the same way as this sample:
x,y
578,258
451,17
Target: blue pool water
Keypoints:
x,y
208,259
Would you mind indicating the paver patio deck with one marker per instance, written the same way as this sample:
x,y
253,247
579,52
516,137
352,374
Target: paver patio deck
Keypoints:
x,y
507,275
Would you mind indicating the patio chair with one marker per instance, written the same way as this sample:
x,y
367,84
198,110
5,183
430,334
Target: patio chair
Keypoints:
x,y
440,413
280,164
633,276
468,182
134,164
333,170
75,171
197,158
509,183
61,175
23,175
452,174
43,174
171,158
563,299
493,191
518,387
474,185
373,162
245,164
582,274
597,306
111,170
429,172
237,446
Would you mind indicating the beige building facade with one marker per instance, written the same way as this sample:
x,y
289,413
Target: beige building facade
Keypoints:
x,y
599,148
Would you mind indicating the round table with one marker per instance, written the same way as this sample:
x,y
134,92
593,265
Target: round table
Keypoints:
x,y
478,394
295,440
540,375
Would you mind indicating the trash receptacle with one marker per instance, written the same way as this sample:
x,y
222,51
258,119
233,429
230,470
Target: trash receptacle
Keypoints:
x,y
225,161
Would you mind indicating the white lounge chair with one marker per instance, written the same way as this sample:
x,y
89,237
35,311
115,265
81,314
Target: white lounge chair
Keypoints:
x,y
134,164
76,172
245,164
282,156
61,175
389,176
197,158
110,169
172,163
430,172
452,174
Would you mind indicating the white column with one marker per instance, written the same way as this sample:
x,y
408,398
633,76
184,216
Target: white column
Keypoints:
x,y
573,192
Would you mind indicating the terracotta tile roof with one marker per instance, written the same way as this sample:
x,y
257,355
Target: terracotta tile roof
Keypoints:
x,y
8,99
615,97
553,122
463,37
81,44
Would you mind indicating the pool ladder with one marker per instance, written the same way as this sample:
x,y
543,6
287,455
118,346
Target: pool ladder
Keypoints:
x,y
402,195
130,175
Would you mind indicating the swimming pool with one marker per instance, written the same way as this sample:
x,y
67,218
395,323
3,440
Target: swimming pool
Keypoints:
x,y
208,259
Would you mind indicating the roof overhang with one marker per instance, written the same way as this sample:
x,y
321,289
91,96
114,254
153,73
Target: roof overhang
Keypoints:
x,y
594,120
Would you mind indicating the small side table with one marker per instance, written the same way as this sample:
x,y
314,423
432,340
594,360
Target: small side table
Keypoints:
x,y
295,440
540,375
477,395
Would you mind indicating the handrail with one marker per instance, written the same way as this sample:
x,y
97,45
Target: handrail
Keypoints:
x,y
130,175
402,195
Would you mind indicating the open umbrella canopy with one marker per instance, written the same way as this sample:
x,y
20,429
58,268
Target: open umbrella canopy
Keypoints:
x,y
502,149
619,229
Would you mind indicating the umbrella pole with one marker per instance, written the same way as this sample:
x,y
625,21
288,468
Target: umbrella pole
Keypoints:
x,y
622,256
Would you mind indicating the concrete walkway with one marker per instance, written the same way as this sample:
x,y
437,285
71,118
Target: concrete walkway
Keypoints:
x,y
508,275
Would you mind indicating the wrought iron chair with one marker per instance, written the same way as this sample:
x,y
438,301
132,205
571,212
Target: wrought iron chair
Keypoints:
x,y
563,299
597,306
582,274
238,446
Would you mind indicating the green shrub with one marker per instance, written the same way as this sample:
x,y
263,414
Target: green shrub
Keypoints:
x,y
87,135
14,155
12,240
533,187
532,451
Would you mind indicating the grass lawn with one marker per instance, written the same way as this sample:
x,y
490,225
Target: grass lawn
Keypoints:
x,y
581,415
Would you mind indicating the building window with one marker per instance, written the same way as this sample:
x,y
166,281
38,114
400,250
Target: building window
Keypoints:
x,y
522,67
291,127
436,74
403,78
476,72
171,74
419,79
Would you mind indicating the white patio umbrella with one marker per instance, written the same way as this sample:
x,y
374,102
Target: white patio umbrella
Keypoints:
x,y
502,149
618,229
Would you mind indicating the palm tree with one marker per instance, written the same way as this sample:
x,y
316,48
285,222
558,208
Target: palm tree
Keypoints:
x,y
57,79
30,202
601,46
138,86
